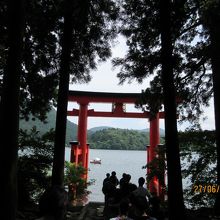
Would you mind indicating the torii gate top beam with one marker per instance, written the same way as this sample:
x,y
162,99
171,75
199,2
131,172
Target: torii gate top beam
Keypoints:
x,y
119,99
102,97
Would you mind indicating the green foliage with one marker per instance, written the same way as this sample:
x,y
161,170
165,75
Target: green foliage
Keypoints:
x,y
199,157
73,178
94,25
40,59
48,124
123,139
190,54
198,151
34,164
118,139
158,166
39,76
151,99
91,36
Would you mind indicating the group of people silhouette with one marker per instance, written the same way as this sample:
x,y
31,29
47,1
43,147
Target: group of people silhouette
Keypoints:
x,y
123,200
127,201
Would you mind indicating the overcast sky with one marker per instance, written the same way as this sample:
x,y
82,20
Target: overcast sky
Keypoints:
x,y
104,79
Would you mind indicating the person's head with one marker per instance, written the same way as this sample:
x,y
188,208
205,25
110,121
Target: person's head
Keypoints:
x,y
113,173
141,181
124,175
107,175
128,178
53,202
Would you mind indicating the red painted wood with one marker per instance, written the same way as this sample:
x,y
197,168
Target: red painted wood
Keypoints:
x,y
93,113
154,141
82,131
102,97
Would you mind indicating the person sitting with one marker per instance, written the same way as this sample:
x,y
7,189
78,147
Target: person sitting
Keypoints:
x,y
53,203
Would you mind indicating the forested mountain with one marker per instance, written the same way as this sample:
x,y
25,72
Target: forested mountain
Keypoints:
x,y
162,132
102,137
43,127
118,139
99,128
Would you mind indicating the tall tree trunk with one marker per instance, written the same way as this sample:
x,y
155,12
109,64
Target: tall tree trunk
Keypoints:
x,y
60,133
9,111
175,193
215,59
75,17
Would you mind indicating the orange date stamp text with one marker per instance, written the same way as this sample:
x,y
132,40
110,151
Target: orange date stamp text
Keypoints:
x,y
207,188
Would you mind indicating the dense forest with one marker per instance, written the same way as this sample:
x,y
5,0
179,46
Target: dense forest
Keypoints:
x,y
48,124
98,137
119,139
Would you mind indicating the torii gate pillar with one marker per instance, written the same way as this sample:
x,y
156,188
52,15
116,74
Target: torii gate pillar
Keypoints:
x,y
154,142
155,185
82,132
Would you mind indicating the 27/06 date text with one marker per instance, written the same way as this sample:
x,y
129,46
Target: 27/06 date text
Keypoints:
x,y
209,188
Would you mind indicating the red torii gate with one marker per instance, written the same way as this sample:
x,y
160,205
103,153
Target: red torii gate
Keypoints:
x,y
80,149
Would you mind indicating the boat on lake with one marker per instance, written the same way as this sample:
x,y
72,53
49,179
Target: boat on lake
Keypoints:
x,y
96,161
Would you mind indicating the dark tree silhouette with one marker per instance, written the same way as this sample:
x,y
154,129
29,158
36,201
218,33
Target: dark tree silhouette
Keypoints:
x,y
60,132
210,12
87,29
39,75
152,29
9,110
175,193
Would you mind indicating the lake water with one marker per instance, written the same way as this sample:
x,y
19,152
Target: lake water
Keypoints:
x,y
120,161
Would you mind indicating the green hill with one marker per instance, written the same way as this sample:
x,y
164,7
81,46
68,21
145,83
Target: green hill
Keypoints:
x,y
71,132
102,137
118,139
162,132
99,128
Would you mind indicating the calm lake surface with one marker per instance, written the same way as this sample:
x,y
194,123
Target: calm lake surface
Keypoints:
x,y
120,161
